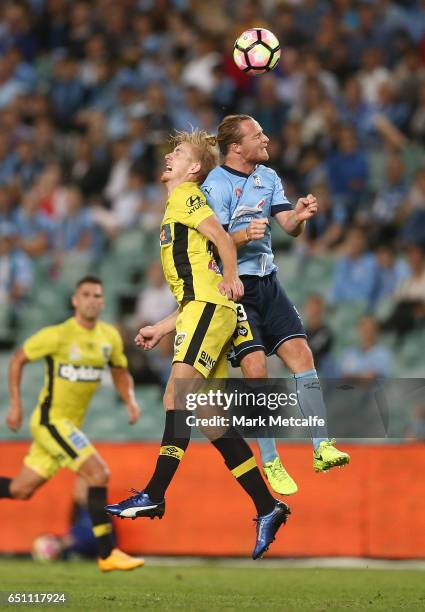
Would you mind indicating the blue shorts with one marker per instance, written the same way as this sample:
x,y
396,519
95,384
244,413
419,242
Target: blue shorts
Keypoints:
x,y
266,318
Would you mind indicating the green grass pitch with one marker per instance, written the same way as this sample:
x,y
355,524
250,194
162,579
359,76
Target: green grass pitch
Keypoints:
x,y
212,586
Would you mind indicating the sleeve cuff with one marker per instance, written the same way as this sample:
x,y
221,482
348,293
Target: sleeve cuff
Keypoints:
x,y
277,208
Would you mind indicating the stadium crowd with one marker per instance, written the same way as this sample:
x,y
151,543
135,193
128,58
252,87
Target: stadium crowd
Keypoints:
x,y
91,89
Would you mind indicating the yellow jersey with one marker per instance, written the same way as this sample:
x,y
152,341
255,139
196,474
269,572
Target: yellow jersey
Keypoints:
x,y
187,256
75,359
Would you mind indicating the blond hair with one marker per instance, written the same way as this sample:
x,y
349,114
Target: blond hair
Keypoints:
x,y
229,131
204,147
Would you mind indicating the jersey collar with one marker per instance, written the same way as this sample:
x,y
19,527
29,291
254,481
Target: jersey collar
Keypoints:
x,y
236,172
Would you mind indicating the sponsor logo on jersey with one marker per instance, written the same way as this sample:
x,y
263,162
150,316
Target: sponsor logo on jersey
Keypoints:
x,y
238,192
165,235
240,330
212,265
82,373
206,360
179,339
207,190
194,202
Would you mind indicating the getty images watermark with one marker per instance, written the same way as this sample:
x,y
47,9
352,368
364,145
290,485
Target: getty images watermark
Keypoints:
x,y
217,401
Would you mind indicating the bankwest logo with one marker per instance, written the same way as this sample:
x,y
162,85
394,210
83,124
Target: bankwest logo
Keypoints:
x,y
79,373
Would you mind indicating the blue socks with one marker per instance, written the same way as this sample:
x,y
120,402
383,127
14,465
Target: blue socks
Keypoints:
x,y
310,401
267,449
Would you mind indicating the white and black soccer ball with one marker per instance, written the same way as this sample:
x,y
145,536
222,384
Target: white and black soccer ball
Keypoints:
x,y
256,51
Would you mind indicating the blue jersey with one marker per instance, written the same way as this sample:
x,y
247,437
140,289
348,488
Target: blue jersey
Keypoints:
x,y
237,198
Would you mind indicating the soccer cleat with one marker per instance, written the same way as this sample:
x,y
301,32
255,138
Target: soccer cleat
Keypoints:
x,y
328,456
267,527
137,505
119,560
279,479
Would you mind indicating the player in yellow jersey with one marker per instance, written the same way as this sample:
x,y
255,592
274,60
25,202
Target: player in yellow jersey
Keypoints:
x,y
76,353
204,323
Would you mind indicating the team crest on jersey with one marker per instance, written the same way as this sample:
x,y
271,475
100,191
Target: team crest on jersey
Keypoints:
x,y
106,351
165,235
74,352
257,180
179,339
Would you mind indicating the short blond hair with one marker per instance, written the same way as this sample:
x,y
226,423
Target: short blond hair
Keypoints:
x,y
204,146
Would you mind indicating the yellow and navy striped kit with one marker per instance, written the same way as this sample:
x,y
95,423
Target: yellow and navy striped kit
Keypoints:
x,y
75,359
187,256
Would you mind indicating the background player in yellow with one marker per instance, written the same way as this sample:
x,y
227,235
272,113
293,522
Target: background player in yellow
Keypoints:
x,y
204,324
76,352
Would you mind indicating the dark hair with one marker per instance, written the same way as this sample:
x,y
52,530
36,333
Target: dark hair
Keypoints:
x,y
229,131
94,280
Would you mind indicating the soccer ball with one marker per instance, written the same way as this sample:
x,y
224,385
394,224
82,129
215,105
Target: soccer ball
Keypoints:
x,y
46,547
256,51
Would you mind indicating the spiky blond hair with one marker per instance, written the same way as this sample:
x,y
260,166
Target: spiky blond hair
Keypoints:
x,y
204,147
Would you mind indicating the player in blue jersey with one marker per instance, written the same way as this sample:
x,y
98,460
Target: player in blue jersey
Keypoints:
x,y
244,194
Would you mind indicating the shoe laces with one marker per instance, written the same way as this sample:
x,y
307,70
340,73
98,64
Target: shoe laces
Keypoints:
x,y
277,470
136,494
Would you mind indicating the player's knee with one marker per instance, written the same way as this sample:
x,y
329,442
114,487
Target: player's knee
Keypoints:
x,y
98,477
101,476
21,492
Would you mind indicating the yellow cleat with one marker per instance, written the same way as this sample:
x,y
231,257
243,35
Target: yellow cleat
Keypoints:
x,y
327,456
279,479
119,560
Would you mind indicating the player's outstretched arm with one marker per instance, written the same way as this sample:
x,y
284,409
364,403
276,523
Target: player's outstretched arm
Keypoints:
x,y
293,221
149,336
14,415
124,384
231,284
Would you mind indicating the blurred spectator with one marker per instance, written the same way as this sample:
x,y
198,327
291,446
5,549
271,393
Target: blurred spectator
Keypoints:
x,y
319,334
355,272
269,110
33,228
15,272
354,109
75,230
413,230
348,172
325,229
156,301
390,272
409,298
66,91
126,207
370,359
388,205
372,73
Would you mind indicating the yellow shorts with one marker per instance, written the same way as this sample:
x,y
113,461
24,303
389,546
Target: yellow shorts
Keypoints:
x,y
56,445
203,332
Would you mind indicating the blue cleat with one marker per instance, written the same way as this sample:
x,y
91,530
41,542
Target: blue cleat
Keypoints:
x,y
137,505
267,527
